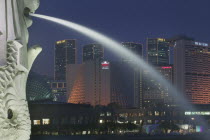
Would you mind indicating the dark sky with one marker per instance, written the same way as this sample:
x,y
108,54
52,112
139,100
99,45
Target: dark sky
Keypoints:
x,y
123,20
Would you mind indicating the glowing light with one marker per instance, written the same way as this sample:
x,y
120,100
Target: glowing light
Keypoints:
x,y
201,44
202,113
169,67
161,39
37,122
62,41
101,121
199,129
46,121
105,65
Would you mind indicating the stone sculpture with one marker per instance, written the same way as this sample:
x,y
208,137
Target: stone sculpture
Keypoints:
x,y
15,63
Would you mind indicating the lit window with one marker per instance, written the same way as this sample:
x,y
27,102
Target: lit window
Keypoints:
x,y
102,114
149,121
37,122
46,121
101,121
157,113
141,121
109,114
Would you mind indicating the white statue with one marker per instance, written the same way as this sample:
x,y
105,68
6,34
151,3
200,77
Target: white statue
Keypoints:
x,y
15,63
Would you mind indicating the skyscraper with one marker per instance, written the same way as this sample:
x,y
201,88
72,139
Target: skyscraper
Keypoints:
x,y
154,92
122,84
65,53
192,70
158,51
126,80
136,48
93,52
158,55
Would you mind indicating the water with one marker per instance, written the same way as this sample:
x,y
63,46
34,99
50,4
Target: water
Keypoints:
x,y
107,137
118,49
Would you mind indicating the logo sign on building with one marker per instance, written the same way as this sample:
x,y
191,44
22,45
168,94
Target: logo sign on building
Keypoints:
x,y
105,65
167,67
201,44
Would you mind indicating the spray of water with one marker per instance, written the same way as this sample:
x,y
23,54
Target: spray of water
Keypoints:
x,y
118,49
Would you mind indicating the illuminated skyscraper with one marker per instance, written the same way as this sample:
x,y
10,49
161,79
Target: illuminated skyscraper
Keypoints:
x,y
158,52
158,55
93,52
192,70
65,53
154,92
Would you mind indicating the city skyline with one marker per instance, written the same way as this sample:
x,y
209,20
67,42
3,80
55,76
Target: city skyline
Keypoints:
x,y
118,22
107,70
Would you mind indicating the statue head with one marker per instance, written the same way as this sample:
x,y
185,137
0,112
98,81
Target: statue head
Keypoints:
x,y
30,6
25,7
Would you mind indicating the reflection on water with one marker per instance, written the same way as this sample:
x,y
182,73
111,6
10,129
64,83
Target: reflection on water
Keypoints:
x,y
116,138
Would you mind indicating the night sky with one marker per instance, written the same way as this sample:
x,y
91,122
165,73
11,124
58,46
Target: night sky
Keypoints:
x,y
123,20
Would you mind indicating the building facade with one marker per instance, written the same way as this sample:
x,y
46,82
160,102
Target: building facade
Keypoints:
x,y
136,48
91,83
158,51
65,53
50,119
192,70
93,52
154,92
58,89
126,79
158,55
122,84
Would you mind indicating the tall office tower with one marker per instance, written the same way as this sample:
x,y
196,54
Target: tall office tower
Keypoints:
x,y
136,48
91,83
154,92
127,78
93,52
171,41
122,84
192,70
65,53
158,55
158,52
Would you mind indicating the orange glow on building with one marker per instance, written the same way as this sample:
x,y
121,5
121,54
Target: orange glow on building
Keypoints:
x,y
88,83
78,91
192,70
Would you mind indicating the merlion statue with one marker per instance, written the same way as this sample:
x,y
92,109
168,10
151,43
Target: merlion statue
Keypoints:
x,y
15,63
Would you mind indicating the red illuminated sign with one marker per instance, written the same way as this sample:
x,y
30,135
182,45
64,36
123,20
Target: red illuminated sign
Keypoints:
x,y
105,65
168,67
